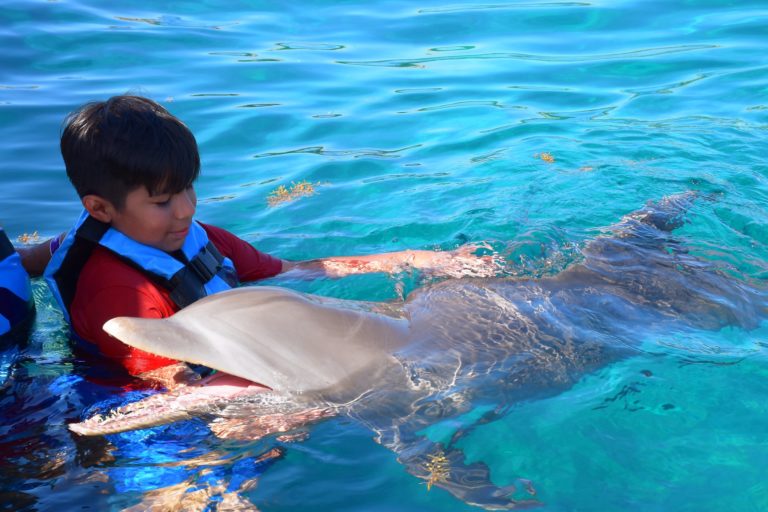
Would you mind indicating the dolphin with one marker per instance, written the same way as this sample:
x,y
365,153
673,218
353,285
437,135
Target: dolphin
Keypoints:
x,y
451,347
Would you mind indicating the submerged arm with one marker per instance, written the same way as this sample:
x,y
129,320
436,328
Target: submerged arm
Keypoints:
x,y
34,258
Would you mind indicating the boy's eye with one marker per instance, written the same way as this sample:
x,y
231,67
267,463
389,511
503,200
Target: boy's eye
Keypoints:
x,y
162,200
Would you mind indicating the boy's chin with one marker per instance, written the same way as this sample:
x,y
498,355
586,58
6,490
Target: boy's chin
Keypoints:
x,y
175,247
175,240
169,245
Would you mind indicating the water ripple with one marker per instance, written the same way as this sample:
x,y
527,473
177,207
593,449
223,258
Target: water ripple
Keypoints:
x,y
668,88
245,56
353,153
308,46
259,105
485,7
172,21
633,54
19,87
466,103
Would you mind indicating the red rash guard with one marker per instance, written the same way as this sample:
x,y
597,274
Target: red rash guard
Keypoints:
x,y
108,288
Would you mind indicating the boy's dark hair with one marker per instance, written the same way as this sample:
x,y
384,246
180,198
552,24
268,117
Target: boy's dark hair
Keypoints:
x,y
112,147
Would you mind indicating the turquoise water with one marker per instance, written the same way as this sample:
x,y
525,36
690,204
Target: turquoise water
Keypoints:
x,y
422,125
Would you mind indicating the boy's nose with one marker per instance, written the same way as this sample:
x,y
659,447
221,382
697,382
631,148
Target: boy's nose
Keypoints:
x,y
185,204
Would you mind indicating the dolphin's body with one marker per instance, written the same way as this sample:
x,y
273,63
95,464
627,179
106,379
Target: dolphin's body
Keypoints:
x,y
453,346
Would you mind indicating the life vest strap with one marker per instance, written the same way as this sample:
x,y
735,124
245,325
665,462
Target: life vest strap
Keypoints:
x,y
187,285
88,233
207,262
92,230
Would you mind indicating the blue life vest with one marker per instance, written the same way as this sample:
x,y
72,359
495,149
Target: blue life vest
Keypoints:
x,y
196,270
16,304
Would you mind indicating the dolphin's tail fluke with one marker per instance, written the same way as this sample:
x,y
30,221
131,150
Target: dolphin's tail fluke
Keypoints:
x,y
651,265
641,237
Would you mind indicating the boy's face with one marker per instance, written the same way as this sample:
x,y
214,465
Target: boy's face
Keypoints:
x,y
161,221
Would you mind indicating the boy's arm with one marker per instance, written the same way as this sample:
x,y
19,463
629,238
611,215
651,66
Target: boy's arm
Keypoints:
x,y
461,262
252,264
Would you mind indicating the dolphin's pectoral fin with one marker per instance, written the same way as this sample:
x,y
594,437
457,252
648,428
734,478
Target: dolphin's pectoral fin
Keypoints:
x,y
446,468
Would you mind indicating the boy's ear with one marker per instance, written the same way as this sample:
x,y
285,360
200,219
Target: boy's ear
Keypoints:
x,y
99,208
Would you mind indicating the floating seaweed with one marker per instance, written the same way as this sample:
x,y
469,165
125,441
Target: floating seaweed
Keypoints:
x,y
283,194
439,468
547,157
27,238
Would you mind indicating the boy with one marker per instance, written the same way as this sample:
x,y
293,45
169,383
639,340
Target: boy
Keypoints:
x,y
136,250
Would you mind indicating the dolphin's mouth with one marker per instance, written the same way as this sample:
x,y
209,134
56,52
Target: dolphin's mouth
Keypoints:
x,y
133,416
183,403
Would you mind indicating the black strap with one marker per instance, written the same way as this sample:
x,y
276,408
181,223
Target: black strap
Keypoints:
x,y
92,229
188,284
87,237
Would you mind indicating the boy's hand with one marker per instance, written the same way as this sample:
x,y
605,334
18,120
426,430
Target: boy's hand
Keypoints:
x,y
463,262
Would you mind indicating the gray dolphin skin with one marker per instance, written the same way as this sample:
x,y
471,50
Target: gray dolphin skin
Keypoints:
x,y
450,348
